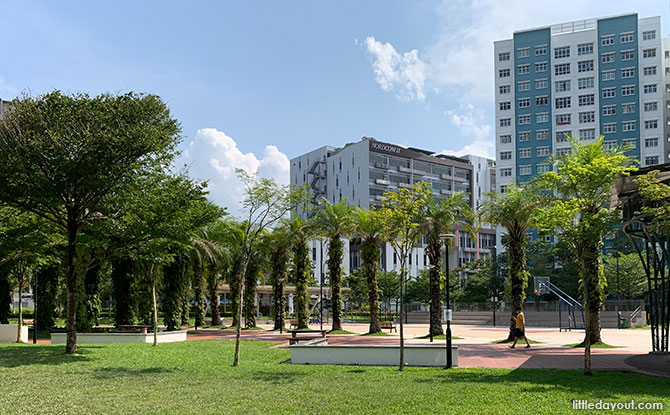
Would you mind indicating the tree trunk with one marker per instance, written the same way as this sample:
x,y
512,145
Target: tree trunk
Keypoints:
x,y
20,323
301,255
593,281
335,253
250,295
279,264
401,365
71,287
370,257
433,248
5,297
154,305
517,274
238,331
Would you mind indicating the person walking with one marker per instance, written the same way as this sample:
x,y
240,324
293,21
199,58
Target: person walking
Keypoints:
x,y
520,328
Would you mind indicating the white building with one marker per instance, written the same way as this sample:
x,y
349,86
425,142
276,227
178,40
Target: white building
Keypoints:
x,y
362,171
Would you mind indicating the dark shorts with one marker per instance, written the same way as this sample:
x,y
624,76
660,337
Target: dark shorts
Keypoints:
x,y
519,333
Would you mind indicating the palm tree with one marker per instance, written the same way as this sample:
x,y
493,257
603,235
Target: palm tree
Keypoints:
x,y
368,227
278,244
442,217
206,253
335,221
300,231
513,210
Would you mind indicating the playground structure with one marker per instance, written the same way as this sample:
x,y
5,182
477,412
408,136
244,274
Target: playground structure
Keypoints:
x,y
653,250
543,285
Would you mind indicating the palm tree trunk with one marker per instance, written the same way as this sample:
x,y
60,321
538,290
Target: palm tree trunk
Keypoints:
x,y
518,275
433,249
370,257
238,331
335,253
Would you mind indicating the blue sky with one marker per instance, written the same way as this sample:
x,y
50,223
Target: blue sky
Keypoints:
x,y
257,83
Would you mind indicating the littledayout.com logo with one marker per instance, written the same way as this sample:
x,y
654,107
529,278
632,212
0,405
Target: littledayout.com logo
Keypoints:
x,y
583,404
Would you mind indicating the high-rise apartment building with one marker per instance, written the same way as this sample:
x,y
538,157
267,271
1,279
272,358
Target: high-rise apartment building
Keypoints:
x,y
607,76
362,172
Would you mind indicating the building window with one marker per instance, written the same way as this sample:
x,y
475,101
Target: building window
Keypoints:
x,y
541,67
524,119
607,57
523,52
541,134
609,92
541,84
505,122
607,40
627,72
542,151
563,102
505,139
525,170
585,83
587,134
539,101
562,136
626,37
523,69
649,70
543,168
628,126
650,124
609,145
649,53
587,117
562,52
523,86
651,160
628,90
563,119
563,151
608,75
628,108
503,73
505,155
650,106
503,188
609,110
542,117
651,142
504,106
505,172
584,66
649,35
562,69
504,89
650,89
504,56
524,136
627,55
586,100
630,142
524,102
609,128
540,50
524,153
584,49
562,86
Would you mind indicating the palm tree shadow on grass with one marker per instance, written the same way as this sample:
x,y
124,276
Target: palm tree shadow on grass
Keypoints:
x,y
27,355
117,372
602,385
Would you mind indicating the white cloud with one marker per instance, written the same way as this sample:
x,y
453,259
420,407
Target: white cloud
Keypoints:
x,y
214,156
405,74
470,123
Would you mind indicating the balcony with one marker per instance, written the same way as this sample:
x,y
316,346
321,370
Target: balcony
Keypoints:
x,y
408,170
382,182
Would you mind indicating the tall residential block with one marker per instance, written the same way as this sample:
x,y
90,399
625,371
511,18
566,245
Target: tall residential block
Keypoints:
x,y
607,76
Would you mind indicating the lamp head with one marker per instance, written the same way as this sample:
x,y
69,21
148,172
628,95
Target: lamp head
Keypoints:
x,y
445,236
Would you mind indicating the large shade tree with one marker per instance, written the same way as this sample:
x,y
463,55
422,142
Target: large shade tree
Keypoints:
x,y
513,210
61,155
335,221
578,208
439,217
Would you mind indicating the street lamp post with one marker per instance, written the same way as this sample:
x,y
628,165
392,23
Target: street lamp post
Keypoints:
x,y
445,237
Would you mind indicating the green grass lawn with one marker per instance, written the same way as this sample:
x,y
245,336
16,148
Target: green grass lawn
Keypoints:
x,y
599,345
196,377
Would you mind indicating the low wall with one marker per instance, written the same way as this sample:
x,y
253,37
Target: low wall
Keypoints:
x,y
322,353
8,333
97,338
